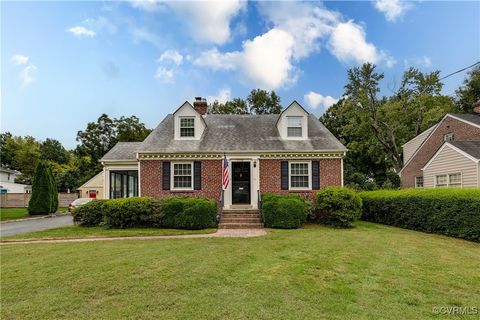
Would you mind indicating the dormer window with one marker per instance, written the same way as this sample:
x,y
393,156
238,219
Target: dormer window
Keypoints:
x,y
294,127
187,127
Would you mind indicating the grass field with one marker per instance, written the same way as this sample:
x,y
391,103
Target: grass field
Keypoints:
x,y
369,272
95,232
18,213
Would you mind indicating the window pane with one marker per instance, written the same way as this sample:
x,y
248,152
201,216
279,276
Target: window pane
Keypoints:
x,y
182,175
455,179
187,122
441,180
419,182
299,181
294,132
294,121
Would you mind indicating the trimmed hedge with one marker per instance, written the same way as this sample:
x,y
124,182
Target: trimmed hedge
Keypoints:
x,y
338,206
189,213
284,211
453,212
132,212
180,213
90,214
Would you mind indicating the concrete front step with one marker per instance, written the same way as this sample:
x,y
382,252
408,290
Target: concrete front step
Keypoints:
x,y
224,225
240,212
240,220
241,215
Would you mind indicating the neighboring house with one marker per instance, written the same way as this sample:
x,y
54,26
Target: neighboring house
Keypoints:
x,y
93,188
291,152
444,155
7,182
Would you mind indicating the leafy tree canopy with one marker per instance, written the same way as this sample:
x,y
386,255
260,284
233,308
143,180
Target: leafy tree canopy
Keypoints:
x,y
469,92
258,102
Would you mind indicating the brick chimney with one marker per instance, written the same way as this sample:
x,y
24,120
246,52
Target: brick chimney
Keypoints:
x,y
200,105
476,107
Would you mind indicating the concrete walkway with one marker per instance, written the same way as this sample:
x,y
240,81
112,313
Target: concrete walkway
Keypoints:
x,y
30,225
221,233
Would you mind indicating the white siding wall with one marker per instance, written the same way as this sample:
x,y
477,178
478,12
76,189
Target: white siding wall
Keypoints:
x,y
411,146
186,110
451,161
293,110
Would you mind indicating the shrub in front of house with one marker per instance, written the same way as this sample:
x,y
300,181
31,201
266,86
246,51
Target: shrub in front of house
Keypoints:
x,y
189,213
90,214
133,212
338,206
284,211
452,212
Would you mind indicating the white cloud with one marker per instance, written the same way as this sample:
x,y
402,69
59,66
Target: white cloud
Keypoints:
x,y
222,96
297,30
392,9
216,60
147,5
26,75
80,31
348,43
100,24
208,21
265,60
314,100
171,55
164,74
19,59
424,62
140,34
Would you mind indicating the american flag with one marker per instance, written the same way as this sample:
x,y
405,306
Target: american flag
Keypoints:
x,y
225,179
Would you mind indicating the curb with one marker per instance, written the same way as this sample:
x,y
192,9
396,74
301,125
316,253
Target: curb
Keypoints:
x,y
38,218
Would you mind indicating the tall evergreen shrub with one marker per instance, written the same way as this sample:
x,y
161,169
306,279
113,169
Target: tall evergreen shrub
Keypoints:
x,y
43,191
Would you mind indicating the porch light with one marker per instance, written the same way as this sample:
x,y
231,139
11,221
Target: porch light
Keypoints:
x,y
254,163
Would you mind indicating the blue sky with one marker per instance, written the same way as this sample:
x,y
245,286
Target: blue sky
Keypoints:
x,y
65,63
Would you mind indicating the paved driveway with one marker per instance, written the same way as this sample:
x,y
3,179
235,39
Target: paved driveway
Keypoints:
x,y
13,228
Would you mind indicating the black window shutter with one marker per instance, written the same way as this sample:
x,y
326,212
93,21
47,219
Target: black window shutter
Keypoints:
x,y
284,175
197,175
315,175
166,175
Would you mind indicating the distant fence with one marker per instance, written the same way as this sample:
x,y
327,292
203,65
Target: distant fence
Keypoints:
x,y
19,200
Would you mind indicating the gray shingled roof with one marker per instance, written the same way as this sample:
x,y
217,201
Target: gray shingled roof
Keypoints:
x,y
240,133
470,147
470,117
122,151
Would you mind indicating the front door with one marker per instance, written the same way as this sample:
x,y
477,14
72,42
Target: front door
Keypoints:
x,y
240,182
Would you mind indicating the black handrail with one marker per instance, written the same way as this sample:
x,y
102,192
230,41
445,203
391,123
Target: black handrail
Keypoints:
x,y
220,209
259,204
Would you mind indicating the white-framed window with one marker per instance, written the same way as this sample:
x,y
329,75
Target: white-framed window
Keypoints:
x,y
187,127
455,179
449,180
294,127
419,182
441,180
182,176
449,137
300,177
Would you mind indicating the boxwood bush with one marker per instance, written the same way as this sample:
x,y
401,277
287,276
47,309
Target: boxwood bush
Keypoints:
x,y
132,212
338,206
453,212
189,213
284,211
90,214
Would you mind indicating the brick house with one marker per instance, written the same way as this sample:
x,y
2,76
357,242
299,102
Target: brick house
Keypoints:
x,y
184,155
445,155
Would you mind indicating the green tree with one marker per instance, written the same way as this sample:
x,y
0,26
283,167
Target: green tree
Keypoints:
x,y
27,155
236,106
52,150
469,92
263,102
374,127
130,129
8,149
41,201
97,138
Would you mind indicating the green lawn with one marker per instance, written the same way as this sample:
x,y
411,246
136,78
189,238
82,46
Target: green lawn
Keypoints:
x,y
94,232
18,213
369,272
